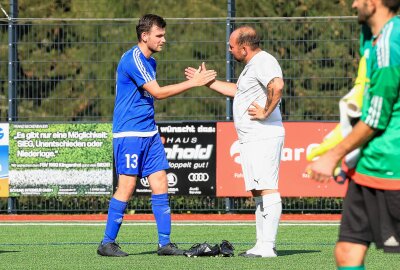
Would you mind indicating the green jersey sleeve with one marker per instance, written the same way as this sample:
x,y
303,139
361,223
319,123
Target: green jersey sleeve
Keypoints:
x,y
382,95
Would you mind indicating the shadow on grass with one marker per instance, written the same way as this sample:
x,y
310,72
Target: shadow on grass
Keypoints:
x,y
8,251
294,252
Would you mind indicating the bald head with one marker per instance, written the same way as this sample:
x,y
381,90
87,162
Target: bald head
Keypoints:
x,y
246,35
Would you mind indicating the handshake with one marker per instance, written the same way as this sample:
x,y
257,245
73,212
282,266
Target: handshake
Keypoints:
x,y
200,76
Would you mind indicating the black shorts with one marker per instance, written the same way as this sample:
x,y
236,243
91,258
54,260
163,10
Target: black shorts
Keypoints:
x,y
371,215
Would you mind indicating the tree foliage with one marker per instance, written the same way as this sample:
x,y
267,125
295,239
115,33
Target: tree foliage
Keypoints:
x,y
65,68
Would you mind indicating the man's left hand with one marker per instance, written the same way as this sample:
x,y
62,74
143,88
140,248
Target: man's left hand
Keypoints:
x,y
256,112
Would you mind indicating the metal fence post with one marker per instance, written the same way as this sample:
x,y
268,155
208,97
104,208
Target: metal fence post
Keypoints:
x,y
229,72
12,61
228,205
11,205
228,55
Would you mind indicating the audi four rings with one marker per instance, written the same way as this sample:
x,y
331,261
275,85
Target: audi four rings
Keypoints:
x,y
198,177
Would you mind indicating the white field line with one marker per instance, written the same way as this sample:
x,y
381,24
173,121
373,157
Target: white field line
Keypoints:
x,y
313,224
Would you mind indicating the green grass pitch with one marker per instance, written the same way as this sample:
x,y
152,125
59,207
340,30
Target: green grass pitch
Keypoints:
x,y
73,246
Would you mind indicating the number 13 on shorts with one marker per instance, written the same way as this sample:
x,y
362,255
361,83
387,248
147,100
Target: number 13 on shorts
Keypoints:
x,y
131,161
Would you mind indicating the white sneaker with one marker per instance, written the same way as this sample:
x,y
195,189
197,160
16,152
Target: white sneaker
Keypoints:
x,y
259,254
264,253
254,249
267,253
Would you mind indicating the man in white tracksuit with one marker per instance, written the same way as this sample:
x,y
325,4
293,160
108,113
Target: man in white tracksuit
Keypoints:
x,y
258,122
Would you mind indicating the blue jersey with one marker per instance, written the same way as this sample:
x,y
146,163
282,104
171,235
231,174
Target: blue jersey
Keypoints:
x,y
134,106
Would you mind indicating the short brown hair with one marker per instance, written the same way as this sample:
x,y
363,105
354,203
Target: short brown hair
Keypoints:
x,y
393,5
146,22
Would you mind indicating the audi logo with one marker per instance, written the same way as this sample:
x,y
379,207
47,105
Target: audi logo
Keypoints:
x,y
198,177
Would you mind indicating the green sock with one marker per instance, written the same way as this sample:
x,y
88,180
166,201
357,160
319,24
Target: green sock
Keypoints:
x,y
360,267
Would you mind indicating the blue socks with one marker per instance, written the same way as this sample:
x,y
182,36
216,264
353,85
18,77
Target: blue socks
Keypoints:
x,y
161,211
162,214
116,211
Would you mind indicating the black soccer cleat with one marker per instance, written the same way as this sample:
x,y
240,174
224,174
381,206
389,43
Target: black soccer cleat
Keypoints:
x,y
110,250
226,249
203,249
170,249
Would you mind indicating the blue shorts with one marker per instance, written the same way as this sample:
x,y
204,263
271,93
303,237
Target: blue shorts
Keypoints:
x,y
139,156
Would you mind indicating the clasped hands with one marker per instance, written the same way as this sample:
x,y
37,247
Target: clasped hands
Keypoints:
x,y
255,111
201,76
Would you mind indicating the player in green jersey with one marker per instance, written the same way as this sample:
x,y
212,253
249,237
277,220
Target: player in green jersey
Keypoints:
x,y
371,211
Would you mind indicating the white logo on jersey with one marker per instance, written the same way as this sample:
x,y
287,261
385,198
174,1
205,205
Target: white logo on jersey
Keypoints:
x,y
147,94
366,53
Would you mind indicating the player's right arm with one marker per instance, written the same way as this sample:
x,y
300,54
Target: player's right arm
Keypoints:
x,y
198,79
323,168
225,88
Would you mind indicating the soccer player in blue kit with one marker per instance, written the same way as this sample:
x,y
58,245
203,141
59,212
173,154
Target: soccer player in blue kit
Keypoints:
x,y
138,150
